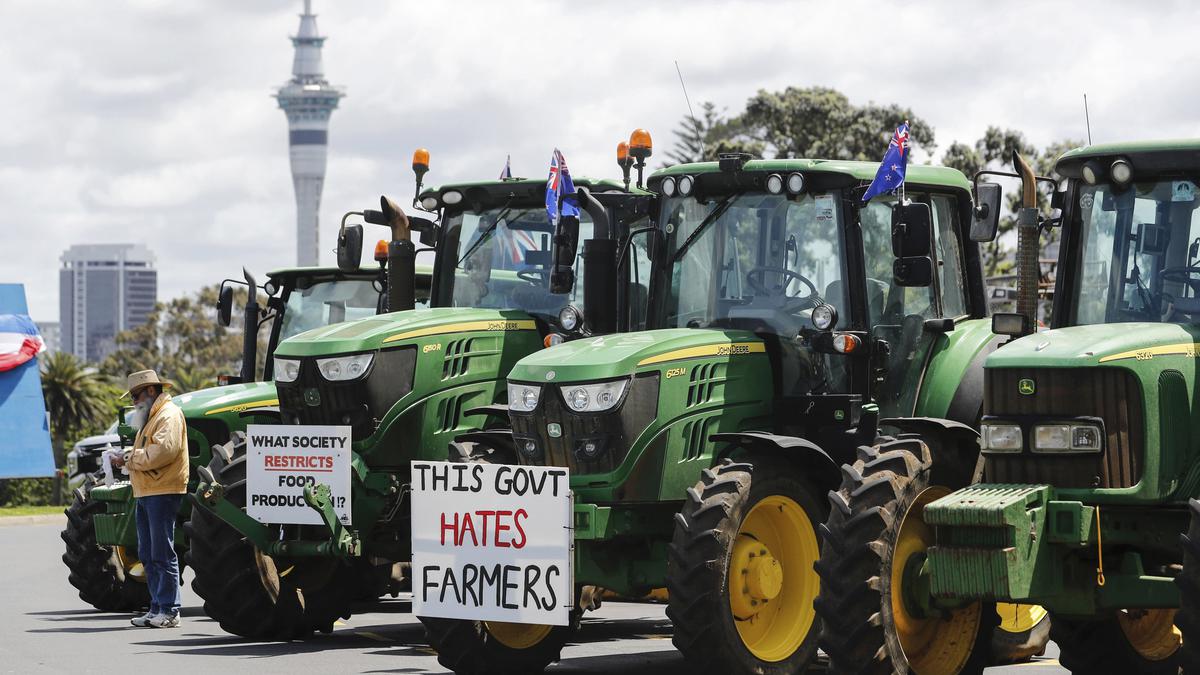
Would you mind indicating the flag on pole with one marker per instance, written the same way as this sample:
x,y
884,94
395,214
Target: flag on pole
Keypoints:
x,y
890,176
19,340
506,173
558,184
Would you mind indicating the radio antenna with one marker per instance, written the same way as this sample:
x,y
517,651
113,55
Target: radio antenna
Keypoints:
x,y
1087,118
695,122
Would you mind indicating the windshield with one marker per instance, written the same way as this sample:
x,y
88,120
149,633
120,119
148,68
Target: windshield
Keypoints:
x,y
328,302
763,257
504,258
1140,253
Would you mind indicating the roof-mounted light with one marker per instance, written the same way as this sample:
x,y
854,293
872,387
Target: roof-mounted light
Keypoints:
x,y
795,183
452,197
686,184
640,144
668,187
429,203
1121,172
775,184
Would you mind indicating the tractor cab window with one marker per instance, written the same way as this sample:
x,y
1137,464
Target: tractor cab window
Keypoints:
x,y
1140,253
504,257
759,262
638,267
313,304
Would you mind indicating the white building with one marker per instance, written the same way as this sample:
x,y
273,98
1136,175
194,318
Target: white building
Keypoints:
x,y
103,289
308,99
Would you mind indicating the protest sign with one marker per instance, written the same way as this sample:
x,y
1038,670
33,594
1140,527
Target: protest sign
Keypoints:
x,y
491,542
282,460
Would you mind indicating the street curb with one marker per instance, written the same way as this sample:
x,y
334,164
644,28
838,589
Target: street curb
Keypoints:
x,y
48,519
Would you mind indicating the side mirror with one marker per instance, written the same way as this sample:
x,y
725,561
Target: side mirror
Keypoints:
x,y
913,271
225,305
566,246
986,218
349,248
374,217
911,230
427,230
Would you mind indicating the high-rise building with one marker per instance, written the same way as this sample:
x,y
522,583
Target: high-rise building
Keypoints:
x,y
103,289
308,99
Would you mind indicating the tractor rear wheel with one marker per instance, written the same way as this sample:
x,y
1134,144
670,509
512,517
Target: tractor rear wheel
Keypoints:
x,y
107,577
1022,634
1188,618
876,618
486,647
252,594
740,570
1131,641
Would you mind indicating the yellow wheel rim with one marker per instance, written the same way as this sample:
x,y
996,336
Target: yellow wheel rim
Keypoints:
x,y
932,645
130,564
772,583
1151,632
517,635
1015,618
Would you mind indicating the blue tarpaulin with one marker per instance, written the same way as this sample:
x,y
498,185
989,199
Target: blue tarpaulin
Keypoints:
x,y
25,450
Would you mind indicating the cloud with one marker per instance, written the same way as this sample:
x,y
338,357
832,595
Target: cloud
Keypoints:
x,y
151,120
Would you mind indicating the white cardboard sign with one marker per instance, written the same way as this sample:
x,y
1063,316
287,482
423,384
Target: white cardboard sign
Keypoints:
x,y
282,459
491,542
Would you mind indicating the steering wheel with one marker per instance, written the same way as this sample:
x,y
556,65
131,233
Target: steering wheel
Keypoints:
x,y
533,275
1183,275
754,279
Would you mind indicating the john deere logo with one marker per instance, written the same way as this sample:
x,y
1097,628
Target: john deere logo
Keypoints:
x,y
312,397
554,430
1026,387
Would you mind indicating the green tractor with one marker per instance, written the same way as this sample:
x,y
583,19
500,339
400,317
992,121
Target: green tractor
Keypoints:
x,y
504,286
1090,469
788,323
100,536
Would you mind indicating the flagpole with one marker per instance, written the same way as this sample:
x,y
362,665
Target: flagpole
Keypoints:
x,y
904,153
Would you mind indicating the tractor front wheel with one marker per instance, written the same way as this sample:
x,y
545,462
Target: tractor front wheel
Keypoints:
x,y
740,570
1188,581
252,594
109,578
874,603
1131,641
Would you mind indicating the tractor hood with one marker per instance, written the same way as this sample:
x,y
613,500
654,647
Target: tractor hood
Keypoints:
x,y
387,329
1103,344
613,356
232,398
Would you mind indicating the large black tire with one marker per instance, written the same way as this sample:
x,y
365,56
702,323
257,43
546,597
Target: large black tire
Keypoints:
x,y
711,530
96,571
1103,647
859,631
483,648
1017,646
250,594
1188,581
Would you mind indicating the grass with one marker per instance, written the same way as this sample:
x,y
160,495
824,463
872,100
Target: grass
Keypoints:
x,y
30,510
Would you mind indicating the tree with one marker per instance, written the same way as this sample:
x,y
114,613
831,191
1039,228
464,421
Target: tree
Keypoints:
x,y
79,401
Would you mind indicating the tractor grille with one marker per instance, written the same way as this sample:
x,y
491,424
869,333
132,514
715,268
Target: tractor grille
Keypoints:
x,y
613,430
1111,394
360,403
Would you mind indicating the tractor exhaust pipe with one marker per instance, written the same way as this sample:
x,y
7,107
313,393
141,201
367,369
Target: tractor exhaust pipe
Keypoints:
x,y
402,257
250,329
1028,270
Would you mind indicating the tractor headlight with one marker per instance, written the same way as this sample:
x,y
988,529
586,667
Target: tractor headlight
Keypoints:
x,y
795,183
668,187
341,368
1001,437
568,318
286,370
429,203
523,397
775,184
594,397
686,183
452,197
824,317
1067,438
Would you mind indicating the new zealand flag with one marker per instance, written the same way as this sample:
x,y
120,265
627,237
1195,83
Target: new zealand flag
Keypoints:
x,y
895,161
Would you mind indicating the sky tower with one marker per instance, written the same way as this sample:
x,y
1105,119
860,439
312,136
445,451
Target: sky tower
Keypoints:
x,y
308,99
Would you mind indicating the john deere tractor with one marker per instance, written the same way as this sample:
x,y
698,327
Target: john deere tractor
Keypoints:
x,y
100,536
788,322
505,284
1090,470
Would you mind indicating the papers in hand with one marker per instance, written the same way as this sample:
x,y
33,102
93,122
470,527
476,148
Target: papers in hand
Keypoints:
x,y
106,458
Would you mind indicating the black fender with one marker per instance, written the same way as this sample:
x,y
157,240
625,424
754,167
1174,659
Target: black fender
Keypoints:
x,y
808,457
966,405
943,435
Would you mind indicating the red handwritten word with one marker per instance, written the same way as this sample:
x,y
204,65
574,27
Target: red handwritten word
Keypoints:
x,y
463,526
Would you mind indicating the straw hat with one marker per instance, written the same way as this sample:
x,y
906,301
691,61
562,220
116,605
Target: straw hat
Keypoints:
x,y
140,379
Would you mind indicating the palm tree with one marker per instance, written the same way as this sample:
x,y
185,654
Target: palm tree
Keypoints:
x,y
78,399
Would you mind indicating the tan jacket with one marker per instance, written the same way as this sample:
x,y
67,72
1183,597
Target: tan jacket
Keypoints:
x,y
158,463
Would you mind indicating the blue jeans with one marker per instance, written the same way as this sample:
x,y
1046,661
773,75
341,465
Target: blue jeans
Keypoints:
x,y
156,550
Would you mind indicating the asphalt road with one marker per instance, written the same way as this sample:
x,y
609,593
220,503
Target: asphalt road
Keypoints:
x,y
47,628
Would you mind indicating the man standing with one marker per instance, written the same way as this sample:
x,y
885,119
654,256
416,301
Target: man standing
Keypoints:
x,y
158,469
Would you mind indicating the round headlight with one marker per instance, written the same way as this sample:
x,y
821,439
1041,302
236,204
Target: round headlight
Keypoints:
x,y
529,398
1091,172
429,203
577,398
824,317
269,288
606,399
795,183
568,318
668,187
289,370
452,197
774,183
354,368
686,183
1121,172
333,369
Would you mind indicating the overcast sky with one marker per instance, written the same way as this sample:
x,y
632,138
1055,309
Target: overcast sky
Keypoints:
x,y
152,121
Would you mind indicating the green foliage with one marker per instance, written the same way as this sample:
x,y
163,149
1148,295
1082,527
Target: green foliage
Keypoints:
x,y
26,492
80,401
